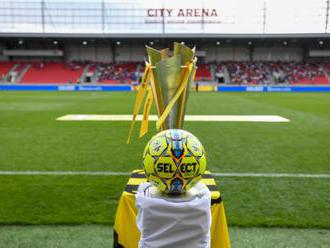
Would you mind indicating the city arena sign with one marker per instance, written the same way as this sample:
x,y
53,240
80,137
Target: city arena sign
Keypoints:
x,y
182,12
182,16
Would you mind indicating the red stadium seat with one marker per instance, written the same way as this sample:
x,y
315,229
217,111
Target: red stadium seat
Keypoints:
x,y
52,72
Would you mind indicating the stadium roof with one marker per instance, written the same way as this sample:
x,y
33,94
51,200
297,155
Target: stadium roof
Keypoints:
x,y
160,18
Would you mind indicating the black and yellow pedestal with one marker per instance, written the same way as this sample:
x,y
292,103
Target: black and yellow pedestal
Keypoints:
x,y
126,233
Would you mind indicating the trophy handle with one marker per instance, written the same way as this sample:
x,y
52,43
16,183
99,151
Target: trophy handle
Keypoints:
x,y
139,98
146,110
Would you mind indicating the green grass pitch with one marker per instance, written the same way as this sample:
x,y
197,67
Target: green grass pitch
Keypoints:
x,y
31,139
98,236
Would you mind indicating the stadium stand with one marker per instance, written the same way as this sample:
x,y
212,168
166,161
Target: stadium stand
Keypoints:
x,y
276,72
119,72
229,72
52,72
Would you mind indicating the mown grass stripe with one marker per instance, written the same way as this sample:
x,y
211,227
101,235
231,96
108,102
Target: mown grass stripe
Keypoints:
x,y
121,173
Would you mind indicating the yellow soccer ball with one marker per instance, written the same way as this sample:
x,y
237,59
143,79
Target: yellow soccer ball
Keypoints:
x,y
174,160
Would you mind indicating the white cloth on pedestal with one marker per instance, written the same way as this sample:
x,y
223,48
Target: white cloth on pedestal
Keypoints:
x,y
175,222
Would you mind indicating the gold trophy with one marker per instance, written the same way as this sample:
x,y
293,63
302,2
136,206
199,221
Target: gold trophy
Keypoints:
x,y
167,80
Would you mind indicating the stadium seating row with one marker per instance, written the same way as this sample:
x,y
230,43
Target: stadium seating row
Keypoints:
x,y
111,73
277,72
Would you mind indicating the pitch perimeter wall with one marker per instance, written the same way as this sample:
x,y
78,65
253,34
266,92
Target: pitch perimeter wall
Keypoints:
x,y
127,87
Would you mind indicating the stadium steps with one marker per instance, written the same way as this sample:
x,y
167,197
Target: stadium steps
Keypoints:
x,y
226,74
16,72
8,77
91,71
22,72
326,73
5,68
212,71
84,74
95,76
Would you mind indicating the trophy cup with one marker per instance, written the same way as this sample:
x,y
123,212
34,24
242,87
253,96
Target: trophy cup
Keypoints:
x,y
170,79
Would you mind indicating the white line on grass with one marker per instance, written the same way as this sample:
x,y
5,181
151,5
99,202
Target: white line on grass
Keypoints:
x,y
114,173
292,175
66,173
217,118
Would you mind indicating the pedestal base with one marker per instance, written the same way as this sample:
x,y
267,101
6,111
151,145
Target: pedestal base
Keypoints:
x,y
126,233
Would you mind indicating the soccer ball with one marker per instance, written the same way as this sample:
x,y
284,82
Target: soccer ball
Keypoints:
x,y
174,160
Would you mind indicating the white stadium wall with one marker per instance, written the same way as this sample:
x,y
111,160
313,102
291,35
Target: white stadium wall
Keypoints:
x,y
218,53
277,53
132,53
136,53
88,53
124,53
232,53
103,53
